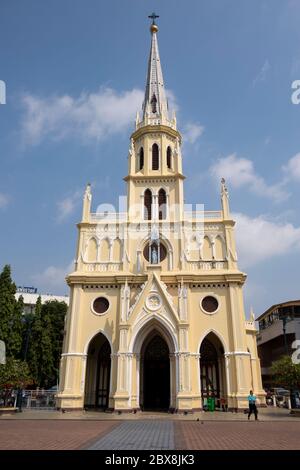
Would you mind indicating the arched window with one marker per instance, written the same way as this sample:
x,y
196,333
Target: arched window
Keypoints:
x,y
141,159
155,158
153,103
162,204
147,205
169,156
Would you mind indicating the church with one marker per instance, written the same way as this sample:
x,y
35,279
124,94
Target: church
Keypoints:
x,y
156,319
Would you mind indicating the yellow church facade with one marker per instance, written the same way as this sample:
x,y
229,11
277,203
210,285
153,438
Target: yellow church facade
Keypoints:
x,y
156,318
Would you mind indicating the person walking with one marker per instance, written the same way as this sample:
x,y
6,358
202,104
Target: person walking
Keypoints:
x,y
252,405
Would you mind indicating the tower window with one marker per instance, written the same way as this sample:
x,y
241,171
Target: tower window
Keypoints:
x,y
169,157
147,205
162,204
155,157
153,103
141,158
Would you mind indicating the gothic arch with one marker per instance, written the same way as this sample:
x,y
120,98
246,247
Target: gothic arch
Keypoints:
x,y
144,327
93,240
206,248
91,337
217,334
141,159
97,371
219,247
146,239
105,244
147,204
169,157
212,369
117,249
162,204
155,157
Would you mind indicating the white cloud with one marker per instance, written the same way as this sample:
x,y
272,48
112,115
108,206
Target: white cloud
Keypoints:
x,y
259,239
68,205
172,103
240,172
192,131
91,116
262,74
292,169
4,200
52,279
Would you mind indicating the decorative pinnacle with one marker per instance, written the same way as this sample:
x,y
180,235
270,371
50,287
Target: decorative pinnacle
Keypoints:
x,y
153,27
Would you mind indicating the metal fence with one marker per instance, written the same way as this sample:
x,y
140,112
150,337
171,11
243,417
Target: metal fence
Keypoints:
x,y
31,399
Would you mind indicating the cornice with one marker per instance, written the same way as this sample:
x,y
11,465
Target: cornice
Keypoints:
x,y
149,129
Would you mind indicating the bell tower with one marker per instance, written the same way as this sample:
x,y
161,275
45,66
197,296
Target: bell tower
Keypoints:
x,y
155,179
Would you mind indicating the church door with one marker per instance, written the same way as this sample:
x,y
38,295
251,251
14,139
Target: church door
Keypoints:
x,y
156,375
103,375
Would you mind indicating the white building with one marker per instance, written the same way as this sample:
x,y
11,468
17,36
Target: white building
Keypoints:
x,y
30,296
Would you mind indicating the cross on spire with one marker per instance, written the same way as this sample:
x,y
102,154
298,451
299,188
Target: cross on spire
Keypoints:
x,y
153,17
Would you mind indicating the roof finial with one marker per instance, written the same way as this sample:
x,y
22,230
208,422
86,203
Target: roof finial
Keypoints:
x,y
153,27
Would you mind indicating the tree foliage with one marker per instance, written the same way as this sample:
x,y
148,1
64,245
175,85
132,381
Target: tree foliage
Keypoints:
x,y
45,342
286,373
11,310
34,337
14,374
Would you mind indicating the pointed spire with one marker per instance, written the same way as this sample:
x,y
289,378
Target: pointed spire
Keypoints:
x,y
224,199
87,199
155,103
252,316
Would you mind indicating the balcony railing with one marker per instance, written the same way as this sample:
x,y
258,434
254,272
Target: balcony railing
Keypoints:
x,y
206,265
203,215
102,267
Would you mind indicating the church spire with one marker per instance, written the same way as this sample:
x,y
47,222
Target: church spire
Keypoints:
x,y
155,104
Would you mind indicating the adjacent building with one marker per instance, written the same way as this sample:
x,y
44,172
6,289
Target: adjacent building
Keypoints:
x,y
279,327
30,296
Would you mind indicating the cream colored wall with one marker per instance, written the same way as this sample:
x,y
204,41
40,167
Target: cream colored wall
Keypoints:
x,y
98,246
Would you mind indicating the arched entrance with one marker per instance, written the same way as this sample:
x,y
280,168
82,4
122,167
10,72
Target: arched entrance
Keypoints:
x,y
155,374
97,381
212,370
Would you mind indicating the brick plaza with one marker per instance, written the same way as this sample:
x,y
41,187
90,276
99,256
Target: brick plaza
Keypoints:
x,y
36,431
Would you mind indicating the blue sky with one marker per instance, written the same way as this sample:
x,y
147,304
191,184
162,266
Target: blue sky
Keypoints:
x,y
72,67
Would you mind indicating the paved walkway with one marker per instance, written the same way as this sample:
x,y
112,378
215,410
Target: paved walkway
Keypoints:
x,y
138,435
148,434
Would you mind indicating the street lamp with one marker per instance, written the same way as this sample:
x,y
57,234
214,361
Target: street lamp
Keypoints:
x,y
285,317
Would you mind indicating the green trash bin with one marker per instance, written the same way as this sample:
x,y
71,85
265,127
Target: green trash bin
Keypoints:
x,y
211,404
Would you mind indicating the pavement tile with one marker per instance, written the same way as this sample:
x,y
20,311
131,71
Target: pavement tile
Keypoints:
x,y
138,435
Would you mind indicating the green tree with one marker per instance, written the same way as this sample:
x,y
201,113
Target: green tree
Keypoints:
x,y
14,341
11,311
34,350
46,362
13,375
45,342
286,373
57,312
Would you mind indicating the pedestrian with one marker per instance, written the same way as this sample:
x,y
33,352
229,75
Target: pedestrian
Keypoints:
x,y
252,405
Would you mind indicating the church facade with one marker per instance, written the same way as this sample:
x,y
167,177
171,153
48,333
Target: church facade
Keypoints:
x,y
156,318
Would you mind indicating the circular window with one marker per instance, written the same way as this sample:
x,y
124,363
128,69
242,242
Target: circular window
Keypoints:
x,y
209,304
100,305
154,247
